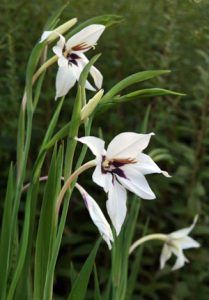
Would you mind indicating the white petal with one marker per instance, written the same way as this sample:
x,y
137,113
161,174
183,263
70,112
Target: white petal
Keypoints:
x,y
146,165
116,205
181,259
97,77
61,42
97,216
188,242
58,51
62,61
165,255
86,37
183,232
95,144
89,86
77,70
45,35
65,80
136,183
128,145
103,180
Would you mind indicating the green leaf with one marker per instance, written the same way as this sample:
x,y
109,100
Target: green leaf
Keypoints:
x,y
135,268
53,20
24,286
63,132
73,132
144,126
49,132
23,248
47,225
73,274
37,93
6,234
132,79
80,286
97,293
153,92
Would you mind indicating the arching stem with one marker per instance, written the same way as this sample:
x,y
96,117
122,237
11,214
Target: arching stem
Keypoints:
x,y
156,236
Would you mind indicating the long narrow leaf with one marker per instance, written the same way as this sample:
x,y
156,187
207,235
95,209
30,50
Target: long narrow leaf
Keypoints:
x,y
80,286
5,234
47,225
132,79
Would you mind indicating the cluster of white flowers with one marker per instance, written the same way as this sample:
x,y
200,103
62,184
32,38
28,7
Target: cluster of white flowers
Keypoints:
x,y
123,165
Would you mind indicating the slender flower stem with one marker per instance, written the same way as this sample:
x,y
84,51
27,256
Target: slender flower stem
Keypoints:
x,y
45,66
27,185
156,236
68,182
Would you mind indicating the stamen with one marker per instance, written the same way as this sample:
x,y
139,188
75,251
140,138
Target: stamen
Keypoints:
x,y
81,47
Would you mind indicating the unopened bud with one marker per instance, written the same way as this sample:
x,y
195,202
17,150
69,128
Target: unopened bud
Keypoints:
x,y
50,36
88,109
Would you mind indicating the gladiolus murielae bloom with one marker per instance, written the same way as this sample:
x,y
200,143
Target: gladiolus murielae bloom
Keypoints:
x,y
175,243
97,216
72,60
122,166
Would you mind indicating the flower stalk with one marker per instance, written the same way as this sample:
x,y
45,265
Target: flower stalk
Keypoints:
x,y
150,237
71,179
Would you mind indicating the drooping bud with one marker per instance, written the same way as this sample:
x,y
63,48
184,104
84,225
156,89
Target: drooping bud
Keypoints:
x,y
50,36
88,109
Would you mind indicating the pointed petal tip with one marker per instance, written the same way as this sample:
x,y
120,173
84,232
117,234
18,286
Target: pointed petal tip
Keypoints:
x,y
196,218
166,174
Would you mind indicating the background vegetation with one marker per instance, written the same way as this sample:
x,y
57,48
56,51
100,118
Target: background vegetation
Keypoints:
x,y
155,34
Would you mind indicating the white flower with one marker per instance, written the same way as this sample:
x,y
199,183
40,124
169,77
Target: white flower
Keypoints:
x,y
175,243
97,216
122,167
72,60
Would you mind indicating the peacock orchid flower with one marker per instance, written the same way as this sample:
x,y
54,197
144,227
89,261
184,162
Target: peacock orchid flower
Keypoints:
x,y
97,216
175,243
122,166
72,60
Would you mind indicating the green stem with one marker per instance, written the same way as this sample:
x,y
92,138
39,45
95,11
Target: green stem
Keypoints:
x,y
155,236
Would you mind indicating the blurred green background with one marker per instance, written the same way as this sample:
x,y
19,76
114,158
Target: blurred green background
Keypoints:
x,y
155,34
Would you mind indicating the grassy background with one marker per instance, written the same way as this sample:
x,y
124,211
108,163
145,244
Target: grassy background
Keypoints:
x,y
155,34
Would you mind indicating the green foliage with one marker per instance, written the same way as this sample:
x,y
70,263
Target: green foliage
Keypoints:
x,y
153,35
80,285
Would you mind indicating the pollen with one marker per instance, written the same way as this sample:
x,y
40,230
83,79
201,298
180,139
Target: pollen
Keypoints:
x,y
106,164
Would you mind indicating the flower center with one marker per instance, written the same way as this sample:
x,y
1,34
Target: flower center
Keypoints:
x,y
113,166
72,58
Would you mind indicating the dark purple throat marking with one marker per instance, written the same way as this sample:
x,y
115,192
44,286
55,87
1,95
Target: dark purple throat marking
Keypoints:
x,y
113,166
72,58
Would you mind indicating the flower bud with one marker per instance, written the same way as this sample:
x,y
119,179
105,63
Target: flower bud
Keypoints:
x,y
50,36
88,109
